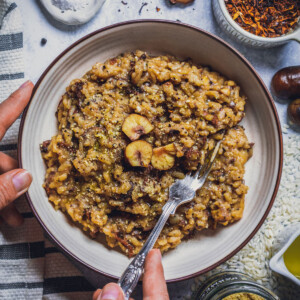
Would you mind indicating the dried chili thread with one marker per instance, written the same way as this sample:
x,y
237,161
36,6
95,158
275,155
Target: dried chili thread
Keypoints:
x,y
266,18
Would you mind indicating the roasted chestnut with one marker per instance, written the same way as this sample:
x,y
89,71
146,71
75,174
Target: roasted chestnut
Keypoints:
x,y
294,112
286,83
181,1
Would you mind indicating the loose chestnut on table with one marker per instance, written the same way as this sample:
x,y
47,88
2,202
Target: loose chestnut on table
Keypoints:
x,y
286,83
181,1
294,112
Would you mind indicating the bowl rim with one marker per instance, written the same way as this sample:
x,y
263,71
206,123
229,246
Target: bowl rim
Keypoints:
x,y
243,60
286,37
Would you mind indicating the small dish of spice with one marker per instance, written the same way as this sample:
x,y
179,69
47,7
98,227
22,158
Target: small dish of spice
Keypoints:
x,y
259,23
271,18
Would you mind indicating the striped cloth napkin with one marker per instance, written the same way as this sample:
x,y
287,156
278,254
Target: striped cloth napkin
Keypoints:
x,y
30,266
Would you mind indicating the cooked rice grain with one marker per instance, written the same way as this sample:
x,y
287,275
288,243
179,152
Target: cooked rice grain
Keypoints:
x,y
89,178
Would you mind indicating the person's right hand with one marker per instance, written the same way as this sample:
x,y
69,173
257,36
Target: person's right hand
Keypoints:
x,y
13,181
154,284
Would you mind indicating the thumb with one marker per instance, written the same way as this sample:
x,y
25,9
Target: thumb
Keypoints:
x,y
12,185
111,291
154,284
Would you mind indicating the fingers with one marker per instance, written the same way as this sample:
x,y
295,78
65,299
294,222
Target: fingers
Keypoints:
x,y
16,182
11,216
111,291
12,107
7,163
96,294
154,284
12,185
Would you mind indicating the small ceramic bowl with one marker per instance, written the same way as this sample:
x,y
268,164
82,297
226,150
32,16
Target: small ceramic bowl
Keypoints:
x,y
73,12
225,21
206,249
277,262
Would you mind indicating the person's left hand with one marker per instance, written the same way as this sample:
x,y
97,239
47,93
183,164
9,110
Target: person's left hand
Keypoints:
x,y
13,181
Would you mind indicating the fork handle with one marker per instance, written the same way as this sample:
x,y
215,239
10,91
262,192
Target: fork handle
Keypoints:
x,y
135,269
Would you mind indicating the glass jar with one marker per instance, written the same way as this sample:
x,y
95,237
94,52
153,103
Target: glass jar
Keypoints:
x,y
225,284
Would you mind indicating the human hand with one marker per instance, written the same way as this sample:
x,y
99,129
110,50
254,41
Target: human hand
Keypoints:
x,y
154,284
13,181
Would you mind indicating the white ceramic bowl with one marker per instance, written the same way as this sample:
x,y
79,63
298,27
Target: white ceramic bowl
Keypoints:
x,y
277,261
72,13
206,249
226,22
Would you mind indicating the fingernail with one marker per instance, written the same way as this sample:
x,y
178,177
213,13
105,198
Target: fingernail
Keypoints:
x,y
24,84
99,296
21,181
110,292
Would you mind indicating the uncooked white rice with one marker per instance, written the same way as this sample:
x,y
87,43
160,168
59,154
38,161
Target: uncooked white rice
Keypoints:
x,y
254,258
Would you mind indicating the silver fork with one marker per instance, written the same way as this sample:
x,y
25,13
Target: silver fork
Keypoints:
x,y
180,192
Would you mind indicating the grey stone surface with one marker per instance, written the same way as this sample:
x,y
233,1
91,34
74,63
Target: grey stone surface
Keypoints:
x,y
38,24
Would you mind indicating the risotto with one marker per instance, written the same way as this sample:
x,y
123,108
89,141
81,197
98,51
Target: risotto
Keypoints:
x,y
127,130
